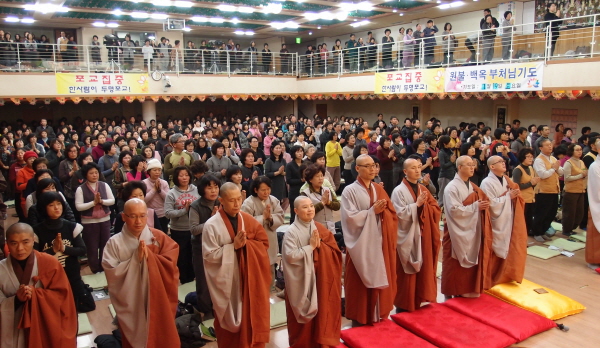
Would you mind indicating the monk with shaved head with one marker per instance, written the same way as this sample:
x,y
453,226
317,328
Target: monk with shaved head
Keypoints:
x,y
369,223
507,215
140,264
418,240
467,239
36,303
312,266
237,268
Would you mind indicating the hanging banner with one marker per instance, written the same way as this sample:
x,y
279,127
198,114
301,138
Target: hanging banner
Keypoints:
x,y
410,81
495,78
107,84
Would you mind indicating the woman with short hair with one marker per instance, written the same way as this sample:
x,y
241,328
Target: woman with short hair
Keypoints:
x,y
218,163
324,199
93,199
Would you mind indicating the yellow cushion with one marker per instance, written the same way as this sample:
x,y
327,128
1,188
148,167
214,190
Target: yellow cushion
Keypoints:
x,y
551,305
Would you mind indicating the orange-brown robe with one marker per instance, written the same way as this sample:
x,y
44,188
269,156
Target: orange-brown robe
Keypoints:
x,y
144,293
313,298
239,280
592,242
512,267
418,245
49,318
465,273
370,278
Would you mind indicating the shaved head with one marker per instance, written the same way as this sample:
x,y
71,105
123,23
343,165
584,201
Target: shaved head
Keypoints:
x,y
19,228
298,201
364,159
133,202
463,160
494,159
228,187
409,162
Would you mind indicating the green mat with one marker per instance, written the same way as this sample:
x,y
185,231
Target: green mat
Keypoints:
x,y
580,237
185,289
278,316
566,245
84,324
542,252
112,311
557,226
438,273
96,281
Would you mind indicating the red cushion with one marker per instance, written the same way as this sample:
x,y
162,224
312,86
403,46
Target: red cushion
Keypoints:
x,y
446,328
384,334
512,320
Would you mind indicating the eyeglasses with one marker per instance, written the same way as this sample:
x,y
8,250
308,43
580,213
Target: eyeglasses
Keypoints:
x,y
368,166
498,162
135,217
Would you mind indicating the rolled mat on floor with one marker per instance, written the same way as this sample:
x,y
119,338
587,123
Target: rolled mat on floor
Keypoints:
x,y
537,299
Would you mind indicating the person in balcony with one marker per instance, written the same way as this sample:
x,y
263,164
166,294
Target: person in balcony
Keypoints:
x,y
128,50
449,46
386,49
72,55
409,49
252,57
285,59
508,26
552,19
488,35
430,42
267,58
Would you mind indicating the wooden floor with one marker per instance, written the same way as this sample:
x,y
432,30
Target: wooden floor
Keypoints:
x,y
568,276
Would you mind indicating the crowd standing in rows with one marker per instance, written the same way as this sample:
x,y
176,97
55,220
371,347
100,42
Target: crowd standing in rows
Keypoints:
x,y
202,198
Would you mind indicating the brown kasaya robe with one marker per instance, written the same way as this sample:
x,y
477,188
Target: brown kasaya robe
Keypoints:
x,y
456,279
421,286
323,328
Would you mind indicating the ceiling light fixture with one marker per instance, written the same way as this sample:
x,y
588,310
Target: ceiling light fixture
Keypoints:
x,y
451,5
99,24
112,25
199,19
234,20
27,20
272,8
226,8
360,24
310,33
401,14
216,20
46,8
140,15
11,19
288,24
319,27
187,29
183,4
117,12
245,9
394,10
161,3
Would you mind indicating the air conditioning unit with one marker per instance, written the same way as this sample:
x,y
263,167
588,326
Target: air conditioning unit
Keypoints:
x,y
173,24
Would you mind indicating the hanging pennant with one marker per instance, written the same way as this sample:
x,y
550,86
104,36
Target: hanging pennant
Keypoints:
x,y
201,98
178,98
244,97
226,98
76,100
191,98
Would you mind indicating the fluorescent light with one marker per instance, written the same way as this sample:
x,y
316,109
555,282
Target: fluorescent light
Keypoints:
x,y
451,5
272,8
311,16
239,32
45,8
183,3
245,9
27,20
326,15
216,20
401,14
139,15
249,32
226,8
187,29
117,12
234,20
341,16
394,10
112,25
360,24
99,24
291,25
161,3
310,33
199,19
159,16
11,19
364,6
319,27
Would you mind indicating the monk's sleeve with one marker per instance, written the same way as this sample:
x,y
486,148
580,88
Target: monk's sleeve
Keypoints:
x,y
464,215
119,272
299,274
404,210
294,252
278,216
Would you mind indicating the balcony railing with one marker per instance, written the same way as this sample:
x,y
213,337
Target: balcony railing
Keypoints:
x,y
40,57
525,42
577,40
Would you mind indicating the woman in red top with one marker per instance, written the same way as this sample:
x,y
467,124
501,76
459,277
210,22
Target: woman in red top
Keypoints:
x,y
12,178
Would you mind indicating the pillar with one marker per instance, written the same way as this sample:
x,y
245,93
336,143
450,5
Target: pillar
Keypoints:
x,y
149,111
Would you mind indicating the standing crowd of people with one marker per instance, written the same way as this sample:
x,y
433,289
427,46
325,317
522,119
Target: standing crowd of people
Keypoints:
x,y
203,198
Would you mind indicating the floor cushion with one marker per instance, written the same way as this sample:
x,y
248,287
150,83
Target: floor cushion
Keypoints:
x,y
96,281
542,252
565,244
385,334
551,305
84,324
512,320
278,315
185,289
444,327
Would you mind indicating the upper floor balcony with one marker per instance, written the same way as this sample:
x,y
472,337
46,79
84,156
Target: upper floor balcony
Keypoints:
x,y
30,69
